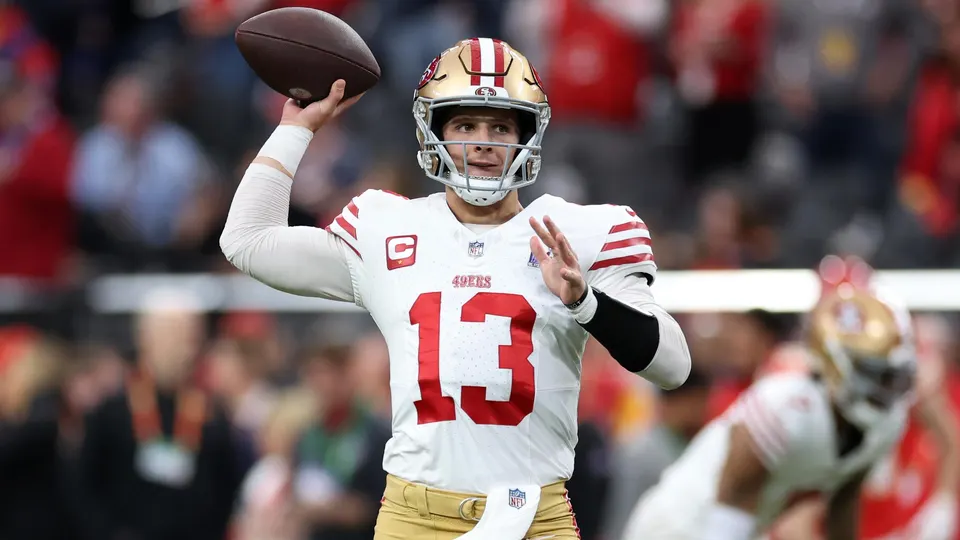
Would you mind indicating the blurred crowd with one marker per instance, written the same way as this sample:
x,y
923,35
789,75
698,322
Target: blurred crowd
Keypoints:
x,y
746,133
255,426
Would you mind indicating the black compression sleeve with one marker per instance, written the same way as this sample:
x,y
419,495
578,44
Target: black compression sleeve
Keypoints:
x,y
631,337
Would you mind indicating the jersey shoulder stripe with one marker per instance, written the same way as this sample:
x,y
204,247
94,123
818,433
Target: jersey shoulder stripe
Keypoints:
x,y
347,225
627,241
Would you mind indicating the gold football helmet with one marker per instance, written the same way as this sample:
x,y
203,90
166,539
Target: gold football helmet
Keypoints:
x,y
862,343
481,72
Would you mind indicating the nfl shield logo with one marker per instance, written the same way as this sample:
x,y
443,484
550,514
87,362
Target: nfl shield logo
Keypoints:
x,y
517,498
475,249
532,262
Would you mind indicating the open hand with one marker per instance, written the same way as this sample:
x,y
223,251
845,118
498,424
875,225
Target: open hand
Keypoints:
x,y
559,267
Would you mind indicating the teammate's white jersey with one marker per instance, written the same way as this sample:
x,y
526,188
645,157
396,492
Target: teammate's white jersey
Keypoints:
x,y
791,422
484,359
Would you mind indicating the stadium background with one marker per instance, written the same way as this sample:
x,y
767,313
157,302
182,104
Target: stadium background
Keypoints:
x,y
751,135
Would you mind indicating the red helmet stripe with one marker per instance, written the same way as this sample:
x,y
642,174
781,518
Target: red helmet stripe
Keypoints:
x,y
499,61
475,61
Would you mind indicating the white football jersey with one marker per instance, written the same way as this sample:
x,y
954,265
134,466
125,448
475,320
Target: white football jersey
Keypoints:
x,y
484,360
791,421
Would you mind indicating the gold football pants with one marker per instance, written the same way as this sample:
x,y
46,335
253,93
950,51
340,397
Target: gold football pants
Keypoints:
x,y
415,512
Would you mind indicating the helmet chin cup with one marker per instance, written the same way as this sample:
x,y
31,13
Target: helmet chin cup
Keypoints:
x,y
480,198
861,413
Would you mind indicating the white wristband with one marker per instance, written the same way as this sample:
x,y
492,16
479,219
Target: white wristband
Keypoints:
x,y
587,309
287,144
727,523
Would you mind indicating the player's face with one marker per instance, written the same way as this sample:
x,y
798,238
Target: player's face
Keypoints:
x,y
480,125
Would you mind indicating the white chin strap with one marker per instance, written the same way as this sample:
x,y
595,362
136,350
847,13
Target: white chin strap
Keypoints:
x,y
480,197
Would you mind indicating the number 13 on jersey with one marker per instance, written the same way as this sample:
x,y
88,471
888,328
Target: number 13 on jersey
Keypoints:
x,y
433,406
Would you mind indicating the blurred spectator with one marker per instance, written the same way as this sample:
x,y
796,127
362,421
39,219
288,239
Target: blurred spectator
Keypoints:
x,y
840,70
371,366
157,460
733,230
264,328
587,489
930,184
219,110
96,373
751,339
717,52
339,473
267,506
238,369
34,59
140,181
598,73
36,215
637,463
32,503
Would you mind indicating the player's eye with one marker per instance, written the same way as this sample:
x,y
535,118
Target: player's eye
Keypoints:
x,y
465,127
502,129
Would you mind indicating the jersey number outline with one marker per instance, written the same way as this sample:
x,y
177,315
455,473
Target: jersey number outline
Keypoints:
x,y
433,406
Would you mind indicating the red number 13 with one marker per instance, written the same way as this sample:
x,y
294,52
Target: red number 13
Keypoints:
x,y
433,406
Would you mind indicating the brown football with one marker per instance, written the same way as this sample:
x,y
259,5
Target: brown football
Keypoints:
x,y
300,52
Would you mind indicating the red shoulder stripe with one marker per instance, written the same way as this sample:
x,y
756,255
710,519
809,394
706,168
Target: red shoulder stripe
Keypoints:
x,y
638,258
345,241
626,243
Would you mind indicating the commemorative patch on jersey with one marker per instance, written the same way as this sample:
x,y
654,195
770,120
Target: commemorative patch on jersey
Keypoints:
x,y
516,498
475,249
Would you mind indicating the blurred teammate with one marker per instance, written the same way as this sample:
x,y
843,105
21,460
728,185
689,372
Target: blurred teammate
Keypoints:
x,y
911,494
796,433
485,305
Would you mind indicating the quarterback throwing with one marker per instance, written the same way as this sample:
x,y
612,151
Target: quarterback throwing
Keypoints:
x,y
485,305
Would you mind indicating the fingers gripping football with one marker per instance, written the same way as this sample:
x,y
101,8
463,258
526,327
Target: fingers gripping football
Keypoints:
x,y
317,114
560,267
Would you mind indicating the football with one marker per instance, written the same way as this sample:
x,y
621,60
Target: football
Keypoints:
x,y
300,52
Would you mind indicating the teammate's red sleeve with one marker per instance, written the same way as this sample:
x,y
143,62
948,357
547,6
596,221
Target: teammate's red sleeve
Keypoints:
x,y
627,242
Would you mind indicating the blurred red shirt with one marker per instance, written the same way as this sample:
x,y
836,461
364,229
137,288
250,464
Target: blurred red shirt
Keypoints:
x,y
912,479
932,123
596,66
739,23
36,215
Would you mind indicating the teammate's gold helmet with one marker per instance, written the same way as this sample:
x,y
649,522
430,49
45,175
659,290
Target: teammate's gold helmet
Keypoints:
x,y
481,72
862,343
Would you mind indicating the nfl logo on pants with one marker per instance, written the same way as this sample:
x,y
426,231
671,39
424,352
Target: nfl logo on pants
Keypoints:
x,y
517,498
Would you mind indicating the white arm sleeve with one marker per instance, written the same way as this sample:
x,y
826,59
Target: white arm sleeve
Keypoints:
x,y
306,261
671,364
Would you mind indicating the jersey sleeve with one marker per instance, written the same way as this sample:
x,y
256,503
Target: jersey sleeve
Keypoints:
x,y
258,241
354,228
626,248
778,412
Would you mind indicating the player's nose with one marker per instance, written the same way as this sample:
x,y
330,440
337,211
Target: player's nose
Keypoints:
x,y
483,135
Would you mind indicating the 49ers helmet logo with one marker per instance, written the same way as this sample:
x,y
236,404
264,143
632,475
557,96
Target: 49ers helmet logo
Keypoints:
x,y
429,73
485,91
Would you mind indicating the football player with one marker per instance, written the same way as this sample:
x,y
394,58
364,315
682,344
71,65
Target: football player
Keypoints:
x,y
485,305
912,493
797,433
